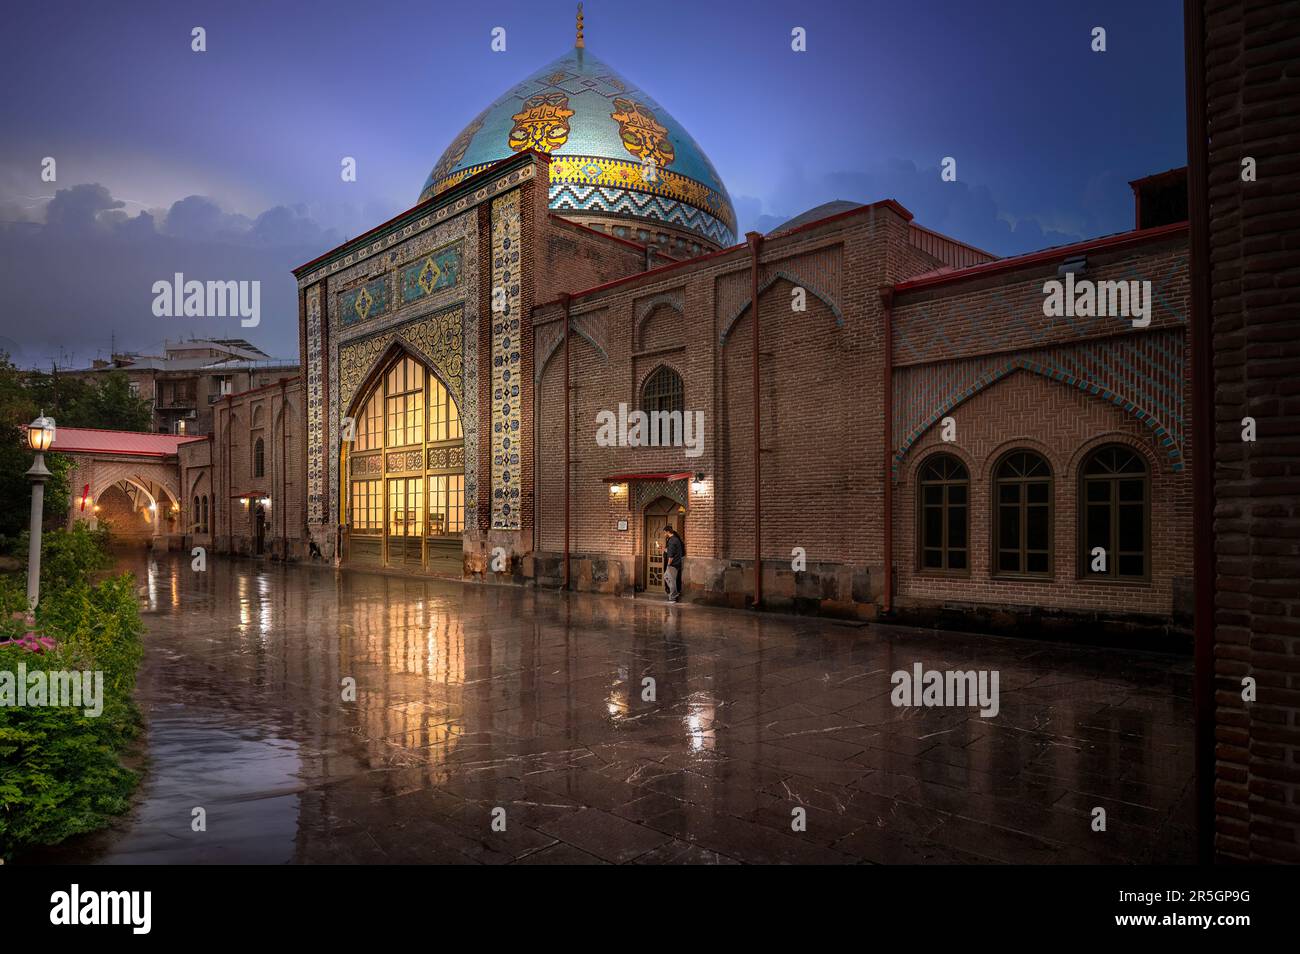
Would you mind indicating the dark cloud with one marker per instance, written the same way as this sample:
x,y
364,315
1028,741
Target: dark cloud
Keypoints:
x,y
198,217
78,209
84,278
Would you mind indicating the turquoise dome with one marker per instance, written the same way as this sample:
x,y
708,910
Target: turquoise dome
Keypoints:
x,y
615,152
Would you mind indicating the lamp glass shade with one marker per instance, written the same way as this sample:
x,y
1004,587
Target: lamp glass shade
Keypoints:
x,y
40,434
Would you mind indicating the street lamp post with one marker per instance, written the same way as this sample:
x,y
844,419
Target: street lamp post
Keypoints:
x,y
40,435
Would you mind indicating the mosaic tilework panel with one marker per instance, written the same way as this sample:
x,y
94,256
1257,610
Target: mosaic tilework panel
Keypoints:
x,y
587,198
432,273
371,300
315,430
507,382
437,339
1143,374
403,231
625,174
432,234
598,127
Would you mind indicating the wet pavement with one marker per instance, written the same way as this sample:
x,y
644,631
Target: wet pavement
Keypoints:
x,y
482,707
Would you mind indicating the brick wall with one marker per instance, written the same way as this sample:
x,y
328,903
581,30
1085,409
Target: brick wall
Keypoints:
x,y
1251,78
1026,411
953,336
274,415
821,413
194,460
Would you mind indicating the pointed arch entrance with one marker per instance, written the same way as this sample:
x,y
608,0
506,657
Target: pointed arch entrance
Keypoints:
x,y
659,513
404,471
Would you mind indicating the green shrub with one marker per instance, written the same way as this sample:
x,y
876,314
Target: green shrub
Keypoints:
x,y
60,772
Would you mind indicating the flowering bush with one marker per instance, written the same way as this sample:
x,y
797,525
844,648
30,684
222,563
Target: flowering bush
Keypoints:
x,y
60,771
29,639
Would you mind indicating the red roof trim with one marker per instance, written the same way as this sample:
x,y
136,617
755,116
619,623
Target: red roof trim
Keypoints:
x,y
1122,240
595,289
665,475
95,440
818,223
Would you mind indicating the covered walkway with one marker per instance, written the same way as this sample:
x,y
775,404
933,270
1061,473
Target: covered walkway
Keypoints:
x,y
125,479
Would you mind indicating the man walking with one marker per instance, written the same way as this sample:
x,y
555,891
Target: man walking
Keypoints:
x,y
674,551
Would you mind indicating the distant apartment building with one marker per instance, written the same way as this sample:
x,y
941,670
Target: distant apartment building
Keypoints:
x,y
189,377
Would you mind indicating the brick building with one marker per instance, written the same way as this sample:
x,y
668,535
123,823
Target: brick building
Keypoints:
x,y
1243,140
924,438
189,377
243,487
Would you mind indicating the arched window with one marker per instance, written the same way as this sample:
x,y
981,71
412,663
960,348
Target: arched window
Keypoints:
x,y
406,507
205,513
943,515
196,518
663,395
405,408
370,424
1022,526
259,458
1114,515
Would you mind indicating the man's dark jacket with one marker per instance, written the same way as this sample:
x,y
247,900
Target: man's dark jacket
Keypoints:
x,y
674,550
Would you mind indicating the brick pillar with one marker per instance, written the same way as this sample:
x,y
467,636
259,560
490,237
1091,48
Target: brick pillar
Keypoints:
x,y
1245,60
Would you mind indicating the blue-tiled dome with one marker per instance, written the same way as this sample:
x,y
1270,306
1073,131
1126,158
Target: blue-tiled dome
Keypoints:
x,y
600,131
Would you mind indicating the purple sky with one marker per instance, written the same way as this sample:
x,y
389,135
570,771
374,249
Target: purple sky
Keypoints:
x,y
225,164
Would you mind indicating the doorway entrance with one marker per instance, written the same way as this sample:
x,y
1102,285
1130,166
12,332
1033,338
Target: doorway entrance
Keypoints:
x,y
259,533
404,504
660,513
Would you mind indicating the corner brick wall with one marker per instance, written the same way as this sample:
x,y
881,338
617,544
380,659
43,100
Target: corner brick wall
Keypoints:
x,y
285,474
1252,91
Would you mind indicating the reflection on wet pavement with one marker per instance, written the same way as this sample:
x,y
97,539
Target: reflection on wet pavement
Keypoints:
x,y
472,698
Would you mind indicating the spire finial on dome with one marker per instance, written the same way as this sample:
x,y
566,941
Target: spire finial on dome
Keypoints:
x,y
580,43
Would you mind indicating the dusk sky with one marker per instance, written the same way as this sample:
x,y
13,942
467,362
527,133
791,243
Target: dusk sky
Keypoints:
x,y
225,164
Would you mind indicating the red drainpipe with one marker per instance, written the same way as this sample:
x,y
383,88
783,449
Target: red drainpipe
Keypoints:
x,y
230,516
887,381
564,300
755,240
284,468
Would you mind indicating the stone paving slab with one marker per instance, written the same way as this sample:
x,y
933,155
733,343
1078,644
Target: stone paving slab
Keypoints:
x,y
471,699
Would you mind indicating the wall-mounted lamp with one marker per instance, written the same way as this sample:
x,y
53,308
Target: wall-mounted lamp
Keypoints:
x,y
698,484
617,490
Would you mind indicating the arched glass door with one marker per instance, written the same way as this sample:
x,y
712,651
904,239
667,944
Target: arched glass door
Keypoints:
x,y
406,480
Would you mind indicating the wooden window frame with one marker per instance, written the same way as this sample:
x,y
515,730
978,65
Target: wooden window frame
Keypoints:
x,y
1112,575
663,390
995,517
945,506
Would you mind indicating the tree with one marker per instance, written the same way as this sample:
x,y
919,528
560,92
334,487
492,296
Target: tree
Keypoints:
x,y
104,401
18,408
